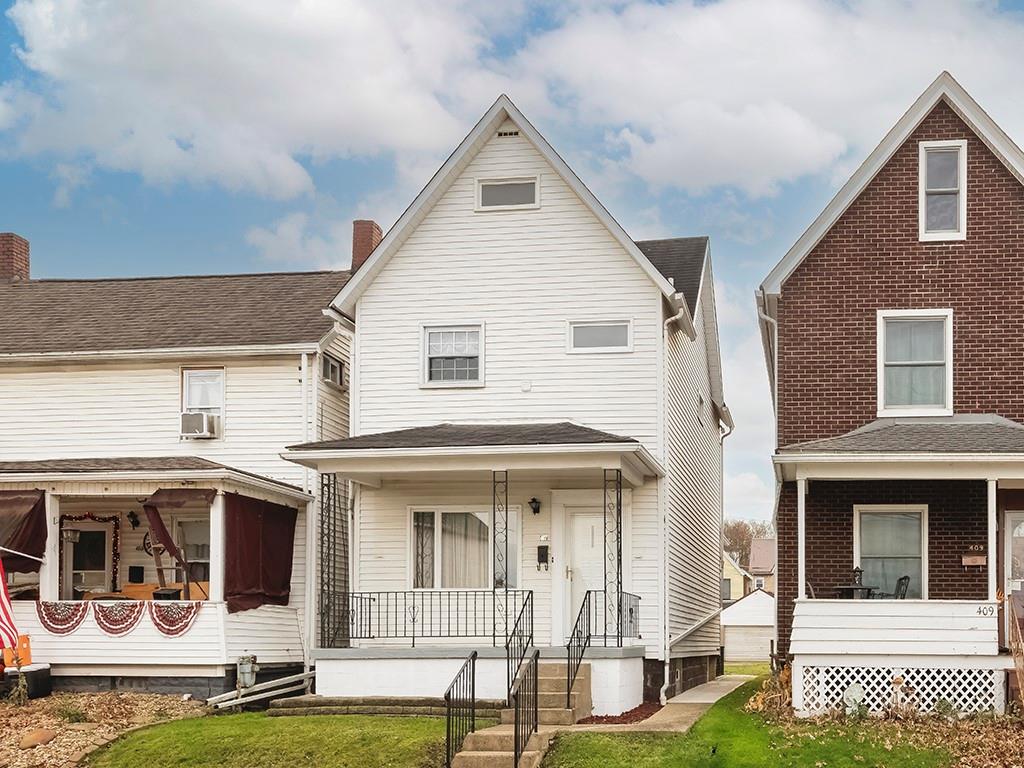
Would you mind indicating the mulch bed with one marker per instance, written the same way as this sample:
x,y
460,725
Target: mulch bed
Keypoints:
x,y
80,721
635,715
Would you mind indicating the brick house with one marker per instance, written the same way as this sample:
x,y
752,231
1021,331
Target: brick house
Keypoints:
x,y
895,354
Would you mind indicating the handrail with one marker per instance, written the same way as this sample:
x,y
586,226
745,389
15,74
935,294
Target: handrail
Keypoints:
x,y
1016,643
460,709
518,643
524,704
579,641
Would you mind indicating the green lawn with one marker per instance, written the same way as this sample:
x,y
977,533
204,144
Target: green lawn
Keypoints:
x,y
757,668
248,740
728,737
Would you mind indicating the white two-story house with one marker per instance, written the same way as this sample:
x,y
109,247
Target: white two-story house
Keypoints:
x,y
536,451
142,422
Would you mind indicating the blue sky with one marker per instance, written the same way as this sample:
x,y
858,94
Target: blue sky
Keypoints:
x,y
244,135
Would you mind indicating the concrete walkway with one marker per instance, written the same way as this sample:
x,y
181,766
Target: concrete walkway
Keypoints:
x,y
679,714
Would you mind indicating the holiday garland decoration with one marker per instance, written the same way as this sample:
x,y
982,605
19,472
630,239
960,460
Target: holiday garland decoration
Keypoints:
x,y
174,619
118,618
61,618
115,541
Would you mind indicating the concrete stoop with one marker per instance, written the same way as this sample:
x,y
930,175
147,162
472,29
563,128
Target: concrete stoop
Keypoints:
x,y
299,706
495,748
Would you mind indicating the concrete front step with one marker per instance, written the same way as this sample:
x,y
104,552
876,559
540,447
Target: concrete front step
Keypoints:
x,y
494,740
546,716
530,759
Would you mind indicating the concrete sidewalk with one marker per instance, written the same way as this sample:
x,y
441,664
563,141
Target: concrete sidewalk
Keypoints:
x,y
679,714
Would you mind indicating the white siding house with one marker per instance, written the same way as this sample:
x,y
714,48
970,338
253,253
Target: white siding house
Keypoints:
x,y
93,422
537,419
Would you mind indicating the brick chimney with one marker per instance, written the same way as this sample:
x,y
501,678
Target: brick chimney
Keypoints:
x,y
13,257
366,235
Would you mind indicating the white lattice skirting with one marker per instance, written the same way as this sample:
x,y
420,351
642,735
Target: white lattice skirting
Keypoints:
x,y
821,688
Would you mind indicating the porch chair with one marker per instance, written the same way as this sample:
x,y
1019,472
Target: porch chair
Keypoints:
x,y
902,583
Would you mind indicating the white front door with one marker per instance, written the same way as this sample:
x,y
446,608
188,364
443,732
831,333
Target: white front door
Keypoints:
x,y
586,547
1013,562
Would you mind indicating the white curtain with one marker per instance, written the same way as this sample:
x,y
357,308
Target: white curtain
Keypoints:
x,y
909,346
465,547
890,547
423,550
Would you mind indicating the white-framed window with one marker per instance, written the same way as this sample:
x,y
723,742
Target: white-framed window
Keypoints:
x,y
510,194
453,356
453,547
889,542
192,535
759,583
599,336
942,181
202,390
332,370
915,362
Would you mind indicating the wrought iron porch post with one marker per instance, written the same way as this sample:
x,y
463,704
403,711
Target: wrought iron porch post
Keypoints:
x,y
613,554
499,525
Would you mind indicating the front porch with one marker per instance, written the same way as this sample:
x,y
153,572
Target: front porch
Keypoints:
x,y
143,580
947,529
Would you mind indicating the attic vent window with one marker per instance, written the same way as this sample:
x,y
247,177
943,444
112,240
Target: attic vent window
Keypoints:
x,y
507,194
507,134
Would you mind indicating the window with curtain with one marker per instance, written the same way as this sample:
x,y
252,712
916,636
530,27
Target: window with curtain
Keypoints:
x,y
915,371
451,550
453,356
891,547
943,190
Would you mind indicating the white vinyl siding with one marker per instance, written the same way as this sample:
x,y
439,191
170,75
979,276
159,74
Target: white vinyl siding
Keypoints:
x,y
331,414
693,489
526,273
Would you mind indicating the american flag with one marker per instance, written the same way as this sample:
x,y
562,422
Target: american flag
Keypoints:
x,y
8,632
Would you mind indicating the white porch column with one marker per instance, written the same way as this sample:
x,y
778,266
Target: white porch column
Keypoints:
x,y
801,526
993,585
217,548
49,571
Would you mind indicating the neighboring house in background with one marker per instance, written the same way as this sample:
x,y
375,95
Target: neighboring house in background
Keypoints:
x,y
736,581
762,563
748,627
177,394
893,344
537,420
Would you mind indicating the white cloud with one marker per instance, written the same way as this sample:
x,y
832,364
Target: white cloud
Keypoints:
x,y
70,177
293,241
748,497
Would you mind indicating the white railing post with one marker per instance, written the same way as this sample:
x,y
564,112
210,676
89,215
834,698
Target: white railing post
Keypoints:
x,y
992,537
801,526
49,571
217,548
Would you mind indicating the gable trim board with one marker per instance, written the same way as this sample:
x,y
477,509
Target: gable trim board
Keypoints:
x,y
944,88
502,109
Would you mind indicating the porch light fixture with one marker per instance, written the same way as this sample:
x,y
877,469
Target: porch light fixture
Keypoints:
x,y
70,535
534,505
133,519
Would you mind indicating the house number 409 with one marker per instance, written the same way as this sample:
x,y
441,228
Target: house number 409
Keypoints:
x,y
986,610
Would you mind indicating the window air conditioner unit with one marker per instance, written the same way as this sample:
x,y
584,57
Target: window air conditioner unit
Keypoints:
x,y
198,425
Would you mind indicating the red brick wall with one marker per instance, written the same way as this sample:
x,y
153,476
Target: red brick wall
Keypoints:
x,y
871,259
957,517
13,257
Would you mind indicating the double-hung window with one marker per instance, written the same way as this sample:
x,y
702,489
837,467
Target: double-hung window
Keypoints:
x,y
942,180
453,356
915,362
453,548
892,542
203,390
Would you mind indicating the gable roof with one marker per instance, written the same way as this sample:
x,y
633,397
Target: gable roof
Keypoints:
x,y
756,608
944,88
503,109
58,317
681,260
762,556
732,561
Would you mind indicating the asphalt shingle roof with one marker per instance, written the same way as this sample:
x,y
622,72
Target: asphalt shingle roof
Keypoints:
x,y
986,434
40,316
682,260
456,435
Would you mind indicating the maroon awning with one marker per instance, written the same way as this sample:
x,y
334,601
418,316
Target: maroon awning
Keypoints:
x,y
259,539
22,528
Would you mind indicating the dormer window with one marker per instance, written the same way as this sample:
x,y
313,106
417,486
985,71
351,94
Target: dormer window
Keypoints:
x,y
915,362
942,205
507,194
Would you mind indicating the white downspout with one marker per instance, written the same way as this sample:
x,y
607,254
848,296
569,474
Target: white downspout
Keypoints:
x,y
307,635
775,359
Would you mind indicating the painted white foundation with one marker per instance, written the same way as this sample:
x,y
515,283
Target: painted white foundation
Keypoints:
x,y
617,684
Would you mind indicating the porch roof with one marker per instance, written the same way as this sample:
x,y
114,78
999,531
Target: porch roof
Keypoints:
x,y
139,467
477,447
985,433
